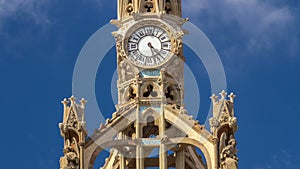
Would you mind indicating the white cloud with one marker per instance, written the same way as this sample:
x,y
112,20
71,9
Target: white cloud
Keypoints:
x,y
282,159
30,8
259,21
250,14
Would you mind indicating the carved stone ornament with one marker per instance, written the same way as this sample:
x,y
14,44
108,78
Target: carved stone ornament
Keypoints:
x,y
228,156
126,71
70,160
120,50
174,69
233,122
178,47
214,123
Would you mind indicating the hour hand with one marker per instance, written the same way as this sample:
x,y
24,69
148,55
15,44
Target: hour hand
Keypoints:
x,y
150,45
153,51
151,48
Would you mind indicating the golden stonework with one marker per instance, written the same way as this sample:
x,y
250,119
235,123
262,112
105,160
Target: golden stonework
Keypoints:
x,y
151,127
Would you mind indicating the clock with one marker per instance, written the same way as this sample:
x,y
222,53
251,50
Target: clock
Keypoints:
x,y
149,46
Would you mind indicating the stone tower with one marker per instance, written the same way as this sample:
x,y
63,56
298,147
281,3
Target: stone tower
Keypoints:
x,y
151,127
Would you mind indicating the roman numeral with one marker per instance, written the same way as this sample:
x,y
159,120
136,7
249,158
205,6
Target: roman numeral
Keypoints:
x,y
141,59
163,38
158,32
166,46
141,33
134,54
164,53
149,30
134,38
157,61
149,61
132,46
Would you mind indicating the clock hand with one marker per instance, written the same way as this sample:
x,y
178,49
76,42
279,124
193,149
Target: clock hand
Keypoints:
x,y
150,45
151,48
154,51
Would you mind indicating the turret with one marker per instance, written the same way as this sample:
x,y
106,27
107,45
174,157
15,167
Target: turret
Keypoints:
x,y
73,130
223,126
129,7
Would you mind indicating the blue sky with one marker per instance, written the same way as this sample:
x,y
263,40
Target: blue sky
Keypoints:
x,y
258,42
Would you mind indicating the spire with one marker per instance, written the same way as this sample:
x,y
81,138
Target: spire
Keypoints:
x,y
128,7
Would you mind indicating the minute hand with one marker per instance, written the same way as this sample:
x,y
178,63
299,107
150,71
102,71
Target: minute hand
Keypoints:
x,y
151,48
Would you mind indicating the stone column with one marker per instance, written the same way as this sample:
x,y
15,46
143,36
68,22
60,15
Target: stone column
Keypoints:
x,y
122,158
81,158
139,157
139,134
163,160
163,156
216,152
161,6
180,160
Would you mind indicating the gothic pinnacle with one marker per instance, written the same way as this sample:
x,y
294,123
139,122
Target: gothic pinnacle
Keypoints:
x,y
83,102
72,100
232,97
223,95
65,102
214,98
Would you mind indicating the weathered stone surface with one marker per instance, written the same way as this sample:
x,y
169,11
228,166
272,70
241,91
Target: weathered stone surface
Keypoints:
x,y
150,116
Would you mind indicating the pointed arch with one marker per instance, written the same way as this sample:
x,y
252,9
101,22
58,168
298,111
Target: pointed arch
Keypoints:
x,y
195,134
152,88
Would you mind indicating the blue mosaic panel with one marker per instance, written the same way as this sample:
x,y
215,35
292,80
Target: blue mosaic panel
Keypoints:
x,y
150,73
151,142
156,108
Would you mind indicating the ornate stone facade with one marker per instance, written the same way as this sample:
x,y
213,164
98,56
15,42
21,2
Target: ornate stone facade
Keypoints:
x,y
150,116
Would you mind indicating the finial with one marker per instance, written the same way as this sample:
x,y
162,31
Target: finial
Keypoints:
x,y
232,97
107,121
72,99
214,98
117,23
179,34
65,102
223,95
83,102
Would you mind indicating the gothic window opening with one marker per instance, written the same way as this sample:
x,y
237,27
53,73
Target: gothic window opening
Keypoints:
x,y
168,125
200,158
130,132
98,161
168,7
150,130
149,7
131,94
129,7
149,92
171,93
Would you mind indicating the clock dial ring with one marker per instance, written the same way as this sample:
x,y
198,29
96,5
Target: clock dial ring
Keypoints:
x,y
149,46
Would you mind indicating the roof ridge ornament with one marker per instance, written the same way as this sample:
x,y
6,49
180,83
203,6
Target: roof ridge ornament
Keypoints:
x,y
223,95
232,97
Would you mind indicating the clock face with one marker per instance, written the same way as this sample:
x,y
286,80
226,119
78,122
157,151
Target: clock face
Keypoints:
x,y
149,46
